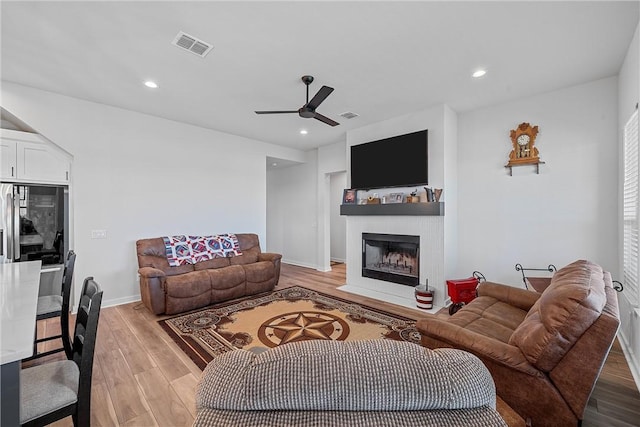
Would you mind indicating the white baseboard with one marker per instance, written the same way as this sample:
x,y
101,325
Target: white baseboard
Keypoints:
x,y
298,263
115,302
340,260
120,301
632,361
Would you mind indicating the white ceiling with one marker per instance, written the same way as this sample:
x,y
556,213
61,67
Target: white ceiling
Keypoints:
x,y
384,59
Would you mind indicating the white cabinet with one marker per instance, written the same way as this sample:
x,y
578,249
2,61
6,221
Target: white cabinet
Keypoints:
x,y
38,163
27,157
8,159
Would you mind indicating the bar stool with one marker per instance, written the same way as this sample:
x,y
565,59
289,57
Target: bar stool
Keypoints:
x,y
50,306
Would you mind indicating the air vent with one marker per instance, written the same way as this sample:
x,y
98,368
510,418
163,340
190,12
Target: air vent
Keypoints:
x,y
192,44
348,115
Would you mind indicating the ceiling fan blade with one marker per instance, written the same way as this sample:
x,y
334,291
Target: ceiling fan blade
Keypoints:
x,y
325,119
319,97
277,112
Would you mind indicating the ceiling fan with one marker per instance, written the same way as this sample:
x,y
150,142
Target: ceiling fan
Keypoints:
x,y
308,110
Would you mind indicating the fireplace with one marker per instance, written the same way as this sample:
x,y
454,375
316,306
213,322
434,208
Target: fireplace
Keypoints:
x,y
391,257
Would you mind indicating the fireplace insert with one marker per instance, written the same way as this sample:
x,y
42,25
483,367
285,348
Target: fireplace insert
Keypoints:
x,y
391,257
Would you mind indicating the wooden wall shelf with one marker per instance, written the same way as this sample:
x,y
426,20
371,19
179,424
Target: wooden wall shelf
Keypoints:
x,y
424,209
536,164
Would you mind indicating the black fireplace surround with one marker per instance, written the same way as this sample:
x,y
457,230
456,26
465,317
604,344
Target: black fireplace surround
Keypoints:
x,y
391,257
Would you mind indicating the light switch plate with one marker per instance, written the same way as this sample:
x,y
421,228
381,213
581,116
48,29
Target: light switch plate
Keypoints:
x,y
98,234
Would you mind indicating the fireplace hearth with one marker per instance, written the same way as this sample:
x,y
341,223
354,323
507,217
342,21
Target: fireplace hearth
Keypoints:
x,y
391,257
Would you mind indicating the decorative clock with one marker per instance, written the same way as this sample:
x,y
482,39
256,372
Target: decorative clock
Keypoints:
x,y
524,152
523,139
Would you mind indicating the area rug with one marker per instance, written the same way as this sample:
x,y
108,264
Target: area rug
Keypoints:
x,y
280,317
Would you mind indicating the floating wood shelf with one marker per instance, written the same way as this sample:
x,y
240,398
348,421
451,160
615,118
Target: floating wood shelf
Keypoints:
x,y
424,209
536,164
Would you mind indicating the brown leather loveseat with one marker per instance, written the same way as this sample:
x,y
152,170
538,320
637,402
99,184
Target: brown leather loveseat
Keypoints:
x,y
171,290
544,351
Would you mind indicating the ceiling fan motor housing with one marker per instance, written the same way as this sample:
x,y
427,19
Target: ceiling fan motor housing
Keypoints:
x,y
307,113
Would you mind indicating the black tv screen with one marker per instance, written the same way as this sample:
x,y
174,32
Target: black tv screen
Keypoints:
x,y
399,161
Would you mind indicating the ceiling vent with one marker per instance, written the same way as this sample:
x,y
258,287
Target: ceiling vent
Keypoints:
x,y
192,44
349,115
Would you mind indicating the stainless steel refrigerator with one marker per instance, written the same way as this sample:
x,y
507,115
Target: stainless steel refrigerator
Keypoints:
x,y
34,223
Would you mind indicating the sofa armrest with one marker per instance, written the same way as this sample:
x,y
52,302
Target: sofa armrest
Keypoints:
x,y
481,345
275,259
520,298
149,272
268,256
152,292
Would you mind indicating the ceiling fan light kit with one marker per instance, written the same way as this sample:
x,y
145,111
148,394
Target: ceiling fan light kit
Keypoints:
x,y
308,110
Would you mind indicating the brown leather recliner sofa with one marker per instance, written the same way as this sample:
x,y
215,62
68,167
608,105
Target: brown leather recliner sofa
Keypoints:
x,y
171,290
544,351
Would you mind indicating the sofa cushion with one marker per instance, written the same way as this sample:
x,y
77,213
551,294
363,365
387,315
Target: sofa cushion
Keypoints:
x,y
259,271
212,263
489,317
476,417
318,375
248,256
565,310
188,284
248,241
227,277
187,291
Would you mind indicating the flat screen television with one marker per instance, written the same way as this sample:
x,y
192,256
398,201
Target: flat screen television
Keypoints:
x,y
399,161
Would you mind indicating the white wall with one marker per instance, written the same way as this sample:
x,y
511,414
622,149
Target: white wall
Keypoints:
x,y
331,159
292,212
628,97
140,176
338,222
450,161
568,211
434,265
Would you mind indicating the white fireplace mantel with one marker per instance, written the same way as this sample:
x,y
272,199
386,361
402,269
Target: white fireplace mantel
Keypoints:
x,y
420,209
431,232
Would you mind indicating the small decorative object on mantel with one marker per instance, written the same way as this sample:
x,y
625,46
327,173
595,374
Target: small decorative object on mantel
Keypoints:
x,y
433,194
348,197
413,197
395,198
373,200
524,152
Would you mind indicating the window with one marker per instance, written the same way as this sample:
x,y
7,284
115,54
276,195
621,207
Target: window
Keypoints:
x,y
631,217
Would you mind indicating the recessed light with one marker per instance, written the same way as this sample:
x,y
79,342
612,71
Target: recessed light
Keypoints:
x,y
274,164
152,85
479,73
304,132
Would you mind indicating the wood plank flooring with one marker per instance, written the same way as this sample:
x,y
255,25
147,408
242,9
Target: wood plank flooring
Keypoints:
x,y
141,377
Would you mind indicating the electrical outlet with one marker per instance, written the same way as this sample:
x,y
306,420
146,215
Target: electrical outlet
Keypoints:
x,y
98,234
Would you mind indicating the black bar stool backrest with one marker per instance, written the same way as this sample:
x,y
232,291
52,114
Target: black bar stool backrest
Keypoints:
x,y
67,280
84,343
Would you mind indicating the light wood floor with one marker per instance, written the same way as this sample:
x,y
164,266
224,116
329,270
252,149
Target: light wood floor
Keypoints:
x,y
141,377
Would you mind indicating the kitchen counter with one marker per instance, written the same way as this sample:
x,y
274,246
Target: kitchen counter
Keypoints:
x,y
19,284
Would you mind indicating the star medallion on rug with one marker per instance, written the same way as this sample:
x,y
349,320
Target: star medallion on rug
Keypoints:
x,y
280,317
